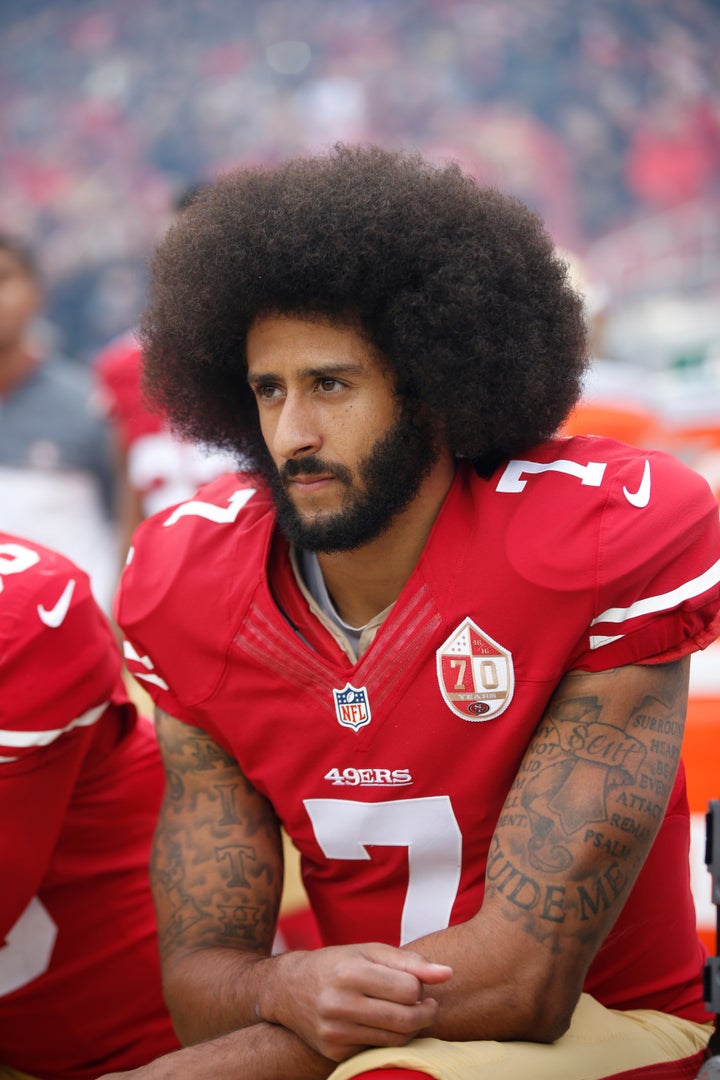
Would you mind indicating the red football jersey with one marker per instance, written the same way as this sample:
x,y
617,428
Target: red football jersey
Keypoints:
x,y
80,788
390,773
160,467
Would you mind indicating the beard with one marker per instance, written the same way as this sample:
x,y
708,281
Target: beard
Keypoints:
x,y
391,476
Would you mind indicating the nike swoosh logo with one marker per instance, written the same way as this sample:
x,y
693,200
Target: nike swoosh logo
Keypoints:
x,y
55,616
641,497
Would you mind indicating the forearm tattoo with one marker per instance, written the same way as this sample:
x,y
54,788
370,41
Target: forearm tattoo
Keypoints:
x,y
588,800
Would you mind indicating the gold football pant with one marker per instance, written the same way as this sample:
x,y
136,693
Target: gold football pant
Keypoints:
x,y
598,1043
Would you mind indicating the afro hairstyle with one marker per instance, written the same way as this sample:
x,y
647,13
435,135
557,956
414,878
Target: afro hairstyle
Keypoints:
x,y
458,288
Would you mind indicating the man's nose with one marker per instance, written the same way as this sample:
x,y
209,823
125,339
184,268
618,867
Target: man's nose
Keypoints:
x,y
297,432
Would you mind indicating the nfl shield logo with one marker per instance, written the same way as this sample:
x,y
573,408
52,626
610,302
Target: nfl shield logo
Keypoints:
x,y
352,707
475,673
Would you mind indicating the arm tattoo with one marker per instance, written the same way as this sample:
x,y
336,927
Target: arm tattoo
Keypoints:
x,y
217,857
590,795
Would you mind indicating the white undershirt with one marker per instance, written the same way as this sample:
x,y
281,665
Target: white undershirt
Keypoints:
x,y
354,640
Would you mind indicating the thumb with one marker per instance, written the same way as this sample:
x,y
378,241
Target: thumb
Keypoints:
x,y
435,973
414,963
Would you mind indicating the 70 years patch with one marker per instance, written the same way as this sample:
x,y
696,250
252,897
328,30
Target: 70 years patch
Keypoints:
x,y
475,673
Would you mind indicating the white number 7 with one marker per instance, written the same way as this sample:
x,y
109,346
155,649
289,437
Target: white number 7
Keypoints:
x,y
429,830
512,479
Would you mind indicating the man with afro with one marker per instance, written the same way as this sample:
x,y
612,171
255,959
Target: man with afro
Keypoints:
x,y
443,647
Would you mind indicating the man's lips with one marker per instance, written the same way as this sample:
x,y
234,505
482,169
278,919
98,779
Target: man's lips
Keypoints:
x,y
310,482
313,476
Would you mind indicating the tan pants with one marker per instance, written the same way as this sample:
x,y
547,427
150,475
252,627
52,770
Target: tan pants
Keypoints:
x,y
598,1043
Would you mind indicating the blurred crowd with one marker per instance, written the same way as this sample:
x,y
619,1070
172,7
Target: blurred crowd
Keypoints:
x,y
595,113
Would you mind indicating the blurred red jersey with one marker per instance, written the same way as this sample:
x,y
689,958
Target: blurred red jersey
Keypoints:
x,y
161,468
80,788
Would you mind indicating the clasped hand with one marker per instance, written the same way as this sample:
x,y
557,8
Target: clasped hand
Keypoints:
x,y
345,998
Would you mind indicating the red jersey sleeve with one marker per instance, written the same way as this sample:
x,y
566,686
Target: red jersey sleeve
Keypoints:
x,y
657,594
617,548
173,555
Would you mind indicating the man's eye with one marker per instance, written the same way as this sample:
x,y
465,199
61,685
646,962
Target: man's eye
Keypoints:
x,y
266,391
329,384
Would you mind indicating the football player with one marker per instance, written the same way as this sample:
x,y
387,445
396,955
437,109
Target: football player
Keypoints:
x,y
80,787
445,648
155,469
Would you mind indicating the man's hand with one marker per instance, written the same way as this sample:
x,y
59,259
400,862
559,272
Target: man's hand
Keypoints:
x,y
345,998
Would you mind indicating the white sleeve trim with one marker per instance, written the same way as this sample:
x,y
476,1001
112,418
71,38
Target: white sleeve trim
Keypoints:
x,y
663,601
27,739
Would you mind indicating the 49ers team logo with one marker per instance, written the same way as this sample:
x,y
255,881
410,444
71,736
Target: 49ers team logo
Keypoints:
x,y
475,673
352,706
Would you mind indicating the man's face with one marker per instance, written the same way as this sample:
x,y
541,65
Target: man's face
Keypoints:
x,y
19,299
346,458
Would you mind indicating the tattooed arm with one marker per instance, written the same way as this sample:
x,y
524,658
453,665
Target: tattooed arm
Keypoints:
x,y
594,767
217,876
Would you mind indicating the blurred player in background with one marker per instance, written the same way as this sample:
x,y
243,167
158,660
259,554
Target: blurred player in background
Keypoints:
x,y
57,482
155,468
80,787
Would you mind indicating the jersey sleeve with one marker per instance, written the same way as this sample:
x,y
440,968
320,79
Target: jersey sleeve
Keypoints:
x,y
657,594
191,573
59,661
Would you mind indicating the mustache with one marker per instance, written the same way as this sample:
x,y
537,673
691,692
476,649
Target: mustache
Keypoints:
x,y
314,466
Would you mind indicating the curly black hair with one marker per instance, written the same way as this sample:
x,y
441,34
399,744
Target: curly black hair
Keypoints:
x,y
458,287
